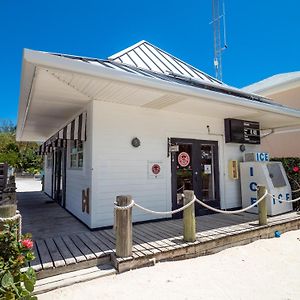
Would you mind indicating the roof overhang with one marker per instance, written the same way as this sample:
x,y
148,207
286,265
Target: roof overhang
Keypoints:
x,y
54,89
275,84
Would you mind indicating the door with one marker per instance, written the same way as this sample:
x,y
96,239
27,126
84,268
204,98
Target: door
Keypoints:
x,y
195,166
59,176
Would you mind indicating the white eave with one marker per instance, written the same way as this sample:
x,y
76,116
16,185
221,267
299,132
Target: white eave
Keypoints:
x,y
70,75
275,84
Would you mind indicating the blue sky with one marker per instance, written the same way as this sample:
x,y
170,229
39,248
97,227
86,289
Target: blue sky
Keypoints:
x,y
263,36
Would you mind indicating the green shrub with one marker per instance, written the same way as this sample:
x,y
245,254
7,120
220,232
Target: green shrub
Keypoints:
x,y
292,169
14,255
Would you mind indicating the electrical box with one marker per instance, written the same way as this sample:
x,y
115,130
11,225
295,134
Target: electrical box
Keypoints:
x,y
233,169
270,174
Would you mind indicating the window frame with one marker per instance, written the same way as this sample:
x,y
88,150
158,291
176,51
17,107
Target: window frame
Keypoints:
x,y
76,150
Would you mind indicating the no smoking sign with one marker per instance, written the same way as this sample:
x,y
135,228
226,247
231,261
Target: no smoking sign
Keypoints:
x,y
155,169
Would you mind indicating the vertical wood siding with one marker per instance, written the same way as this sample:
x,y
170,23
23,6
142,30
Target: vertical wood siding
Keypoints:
x,y
79,179
119,168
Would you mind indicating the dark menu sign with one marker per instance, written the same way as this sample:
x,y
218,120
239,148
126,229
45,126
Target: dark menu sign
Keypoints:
x,y
242,132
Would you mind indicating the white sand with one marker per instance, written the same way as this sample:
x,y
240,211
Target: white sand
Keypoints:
x,y
265,269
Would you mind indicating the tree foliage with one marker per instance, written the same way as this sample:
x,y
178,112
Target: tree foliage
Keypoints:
x,y
20,155
292,169
14,255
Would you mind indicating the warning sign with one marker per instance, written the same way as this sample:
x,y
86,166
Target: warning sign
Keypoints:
x,y
183,159
155,169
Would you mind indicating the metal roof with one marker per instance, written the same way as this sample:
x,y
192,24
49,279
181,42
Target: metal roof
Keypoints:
x,y
149,57
198,80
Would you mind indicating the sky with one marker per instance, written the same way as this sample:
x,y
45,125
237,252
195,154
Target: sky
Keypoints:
x,y
263,37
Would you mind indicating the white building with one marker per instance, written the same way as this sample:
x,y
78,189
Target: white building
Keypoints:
x,y
109,126
284,89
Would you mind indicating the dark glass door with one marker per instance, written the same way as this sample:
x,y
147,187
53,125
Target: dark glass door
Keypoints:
x,y
195,167
59,172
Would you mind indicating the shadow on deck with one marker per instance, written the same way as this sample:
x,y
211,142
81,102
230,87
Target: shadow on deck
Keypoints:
x,y
63,244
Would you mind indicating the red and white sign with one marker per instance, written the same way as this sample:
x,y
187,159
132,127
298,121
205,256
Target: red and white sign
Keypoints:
x,y
183,159
155,169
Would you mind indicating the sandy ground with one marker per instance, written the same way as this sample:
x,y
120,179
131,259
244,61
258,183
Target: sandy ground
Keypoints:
x,y
265,269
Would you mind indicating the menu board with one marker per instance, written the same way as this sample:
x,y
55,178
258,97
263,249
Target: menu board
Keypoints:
x,y
242,132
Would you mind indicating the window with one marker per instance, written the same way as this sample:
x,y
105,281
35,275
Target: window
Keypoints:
x,y
76,154
49,160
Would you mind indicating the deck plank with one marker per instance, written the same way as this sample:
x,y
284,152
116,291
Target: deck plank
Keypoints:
x,y
58,260
36,263
107,250
161,243
93,247
149,247
45,256
87,252
111,236
104,239
64,251
173,237
79,257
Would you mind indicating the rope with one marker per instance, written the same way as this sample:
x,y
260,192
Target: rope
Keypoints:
x,y
124,207
15,217
229,212
152,211
165,212
282,200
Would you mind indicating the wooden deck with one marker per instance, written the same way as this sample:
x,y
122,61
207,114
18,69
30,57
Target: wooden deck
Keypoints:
x,y
155,241
62,244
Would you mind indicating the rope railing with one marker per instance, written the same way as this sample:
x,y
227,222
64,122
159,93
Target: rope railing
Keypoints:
x,y
230,212
227,212
133,203
123,218
283,200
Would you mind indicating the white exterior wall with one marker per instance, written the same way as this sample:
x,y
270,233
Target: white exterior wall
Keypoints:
x,y
119,168
232,190
48,176
79,179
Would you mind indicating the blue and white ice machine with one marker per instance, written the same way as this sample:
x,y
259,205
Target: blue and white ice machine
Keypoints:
x,y
258,170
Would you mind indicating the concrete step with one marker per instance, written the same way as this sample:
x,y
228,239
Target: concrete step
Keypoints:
x,y
62,280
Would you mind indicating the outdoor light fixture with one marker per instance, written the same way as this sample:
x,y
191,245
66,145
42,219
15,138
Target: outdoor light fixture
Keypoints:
x,y
243,148
135,142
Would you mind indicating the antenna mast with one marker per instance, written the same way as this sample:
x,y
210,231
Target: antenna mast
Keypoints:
x,y
220,43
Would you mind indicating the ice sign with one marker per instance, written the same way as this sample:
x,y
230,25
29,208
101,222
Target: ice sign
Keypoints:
x,y
257,156
262,156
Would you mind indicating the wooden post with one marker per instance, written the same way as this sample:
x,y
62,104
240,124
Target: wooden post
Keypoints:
x,y
262,206
123,227
189,223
